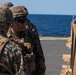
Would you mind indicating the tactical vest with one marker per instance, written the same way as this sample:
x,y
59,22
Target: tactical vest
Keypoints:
x,y
26,50
28,55
2,44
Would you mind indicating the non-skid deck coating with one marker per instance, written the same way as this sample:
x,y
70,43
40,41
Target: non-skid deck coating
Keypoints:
x,y
53,51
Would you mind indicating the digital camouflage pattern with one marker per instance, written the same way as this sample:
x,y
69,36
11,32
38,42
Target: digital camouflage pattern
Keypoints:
x,y
7,4
5,15
19,11
24,40
11,57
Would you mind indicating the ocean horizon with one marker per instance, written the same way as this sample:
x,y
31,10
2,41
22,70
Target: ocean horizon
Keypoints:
x,y
52,25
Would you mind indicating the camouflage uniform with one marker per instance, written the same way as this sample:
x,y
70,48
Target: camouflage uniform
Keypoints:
x,y
11,58
7,4
40,60
33,33
24,40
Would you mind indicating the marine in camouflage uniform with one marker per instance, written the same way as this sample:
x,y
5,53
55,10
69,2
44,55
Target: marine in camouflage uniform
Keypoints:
x,y
21,12
11,58
40,59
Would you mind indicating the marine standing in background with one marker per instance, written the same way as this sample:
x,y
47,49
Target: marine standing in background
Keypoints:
x,y
24,29
11,58
39,55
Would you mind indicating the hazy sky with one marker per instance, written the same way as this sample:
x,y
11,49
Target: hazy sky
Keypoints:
x,y
67,7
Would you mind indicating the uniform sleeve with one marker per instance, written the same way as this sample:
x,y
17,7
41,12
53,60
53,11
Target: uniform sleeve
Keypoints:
x,y
13,57
39,56
40,59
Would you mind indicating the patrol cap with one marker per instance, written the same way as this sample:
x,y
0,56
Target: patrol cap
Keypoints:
x,y
5,15
7,4
19,11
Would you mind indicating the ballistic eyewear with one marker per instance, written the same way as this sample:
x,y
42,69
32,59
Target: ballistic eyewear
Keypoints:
x,y
21,20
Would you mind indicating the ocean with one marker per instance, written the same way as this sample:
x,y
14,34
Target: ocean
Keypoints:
x,y
52,25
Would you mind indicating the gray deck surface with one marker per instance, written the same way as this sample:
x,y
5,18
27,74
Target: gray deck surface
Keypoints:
x,y
53,51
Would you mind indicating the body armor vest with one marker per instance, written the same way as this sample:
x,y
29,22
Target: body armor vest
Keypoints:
x,y
27,44
3,42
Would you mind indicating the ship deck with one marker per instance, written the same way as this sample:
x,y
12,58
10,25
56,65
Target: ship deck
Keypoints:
x,y
54,48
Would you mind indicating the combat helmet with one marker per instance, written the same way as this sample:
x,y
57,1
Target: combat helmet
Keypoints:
x,y
5,15
7,4
19,11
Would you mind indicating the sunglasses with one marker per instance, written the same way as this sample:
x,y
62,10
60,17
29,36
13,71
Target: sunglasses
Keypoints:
x,y
21,20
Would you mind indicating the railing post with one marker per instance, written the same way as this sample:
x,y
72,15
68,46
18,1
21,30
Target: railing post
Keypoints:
x,y
73,51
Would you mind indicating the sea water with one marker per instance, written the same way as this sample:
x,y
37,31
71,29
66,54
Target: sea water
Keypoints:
x,y
52,25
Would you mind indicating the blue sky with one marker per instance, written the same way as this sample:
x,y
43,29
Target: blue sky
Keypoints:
x,y
65,7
